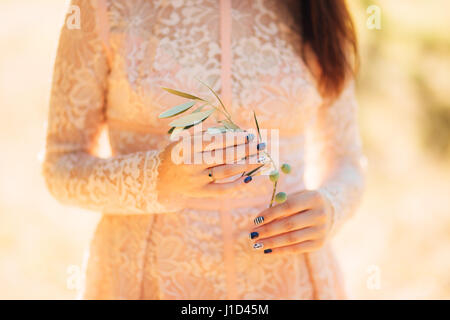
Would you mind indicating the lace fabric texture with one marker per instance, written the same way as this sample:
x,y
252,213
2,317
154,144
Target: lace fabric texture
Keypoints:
x,y
110,72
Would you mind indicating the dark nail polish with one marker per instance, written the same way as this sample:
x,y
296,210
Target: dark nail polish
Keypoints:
x,y
258,220
250,137
268,251
254,235
248,179
261,146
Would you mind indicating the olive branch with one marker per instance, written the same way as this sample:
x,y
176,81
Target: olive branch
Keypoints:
x,y
203,112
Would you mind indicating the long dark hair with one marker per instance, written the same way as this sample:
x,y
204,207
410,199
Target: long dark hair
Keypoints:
x,y
327,30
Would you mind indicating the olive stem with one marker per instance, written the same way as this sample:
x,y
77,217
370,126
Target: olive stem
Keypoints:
x,y
273,193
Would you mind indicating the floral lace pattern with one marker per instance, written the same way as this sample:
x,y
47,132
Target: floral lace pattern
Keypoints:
x,y
110,72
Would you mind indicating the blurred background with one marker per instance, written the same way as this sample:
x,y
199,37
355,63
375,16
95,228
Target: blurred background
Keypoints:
x,y
396,247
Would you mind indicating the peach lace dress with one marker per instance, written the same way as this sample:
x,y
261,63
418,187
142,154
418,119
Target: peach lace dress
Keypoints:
x,y
109,72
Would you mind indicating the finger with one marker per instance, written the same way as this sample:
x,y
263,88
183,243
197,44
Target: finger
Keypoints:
x,y
302,247
289,238
241,154
229,170
294,222
230,154
297,203
208,142
230,189
253,157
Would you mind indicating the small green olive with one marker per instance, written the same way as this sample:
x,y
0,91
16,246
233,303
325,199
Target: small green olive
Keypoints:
x,y
281,197
274,175
286,168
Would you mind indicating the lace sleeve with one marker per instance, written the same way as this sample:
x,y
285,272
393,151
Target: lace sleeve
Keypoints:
x,y
74,175
339,159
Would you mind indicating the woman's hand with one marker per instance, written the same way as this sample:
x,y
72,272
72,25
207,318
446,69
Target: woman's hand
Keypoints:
x,y
190,167
301,224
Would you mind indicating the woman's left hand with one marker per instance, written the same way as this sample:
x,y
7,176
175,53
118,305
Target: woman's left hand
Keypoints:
x,y
301,224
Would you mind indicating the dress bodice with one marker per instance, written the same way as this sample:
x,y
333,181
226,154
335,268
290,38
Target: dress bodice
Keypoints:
x,y
250,47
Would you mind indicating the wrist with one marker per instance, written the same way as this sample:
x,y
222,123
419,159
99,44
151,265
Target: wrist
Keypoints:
x,y
161,190
329,208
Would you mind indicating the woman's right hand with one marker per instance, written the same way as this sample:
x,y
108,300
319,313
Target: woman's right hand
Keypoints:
x,y
186,165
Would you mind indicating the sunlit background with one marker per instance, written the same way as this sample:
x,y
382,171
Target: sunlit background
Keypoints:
x,y
396,247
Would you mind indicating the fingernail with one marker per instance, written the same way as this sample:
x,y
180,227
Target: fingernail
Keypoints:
x,y
261,146
267,250
250,137
258,220
262,159
257,246
248,179
254,235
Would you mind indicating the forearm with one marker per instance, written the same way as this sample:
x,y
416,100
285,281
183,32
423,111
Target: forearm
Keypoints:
x,y
339,156
122,184
343,186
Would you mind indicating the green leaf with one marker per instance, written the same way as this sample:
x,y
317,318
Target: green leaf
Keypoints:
x,y
182,94
191,119
216,130
229,125
215,94
184,128
175,132
257,125
190,126
176,110
199,108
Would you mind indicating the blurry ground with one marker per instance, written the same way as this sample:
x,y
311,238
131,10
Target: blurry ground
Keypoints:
x,y
397,245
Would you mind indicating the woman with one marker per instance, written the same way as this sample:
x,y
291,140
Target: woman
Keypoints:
x,y
170,231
